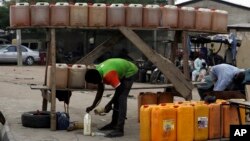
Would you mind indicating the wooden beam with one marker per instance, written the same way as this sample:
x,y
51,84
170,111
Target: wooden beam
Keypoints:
x,y
247,91
53,80
48,61
174,46
99,50
165,66
185,55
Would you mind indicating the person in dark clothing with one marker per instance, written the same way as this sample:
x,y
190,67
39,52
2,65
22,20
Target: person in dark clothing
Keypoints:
x,y
119,73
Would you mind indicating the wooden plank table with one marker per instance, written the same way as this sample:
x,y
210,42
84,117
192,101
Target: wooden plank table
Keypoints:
x,y
239,103
44,90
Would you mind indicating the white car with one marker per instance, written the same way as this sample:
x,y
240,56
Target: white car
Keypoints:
x,y
8,54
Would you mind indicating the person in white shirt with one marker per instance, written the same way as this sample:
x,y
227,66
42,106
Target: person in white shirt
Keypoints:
x,y
197,66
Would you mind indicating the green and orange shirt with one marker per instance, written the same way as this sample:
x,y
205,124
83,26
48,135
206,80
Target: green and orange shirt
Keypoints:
x,y
114,69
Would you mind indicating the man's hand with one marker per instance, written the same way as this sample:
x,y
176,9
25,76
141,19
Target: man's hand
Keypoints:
x,y
88,109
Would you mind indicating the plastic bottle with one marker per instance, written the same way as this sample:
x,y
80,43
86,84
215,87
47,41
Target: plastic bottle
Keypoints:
x,y
100,111
87,124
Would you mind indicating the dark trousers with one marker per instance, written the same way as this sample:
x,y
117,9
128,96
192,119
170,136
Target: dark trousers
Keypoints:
x,y
119,101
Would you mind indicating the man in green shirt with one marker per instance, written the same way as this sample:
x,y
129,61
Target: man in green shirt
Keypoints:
x,y
119,73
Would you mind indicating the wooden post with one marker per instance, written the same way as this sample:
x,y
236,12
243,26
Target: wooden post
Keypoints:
x,y
247,91
174,46
185,55
175,76
53,80
48,60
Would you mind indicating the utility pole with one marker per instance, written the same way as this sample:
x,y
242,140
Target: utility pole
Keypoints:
x,y
18,44
19,50
155,35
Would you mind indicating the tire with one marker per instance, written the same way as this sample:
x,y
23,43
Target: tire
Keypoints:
x,y
36,119
29,61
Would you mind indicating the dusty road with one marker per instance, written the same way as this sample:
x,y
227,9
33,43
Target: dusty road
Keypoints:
x,y
17,97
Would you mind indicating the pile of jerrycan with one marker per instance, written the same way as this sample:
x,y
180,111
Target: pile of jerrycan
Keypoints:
x,y
70,76
186,120
116,14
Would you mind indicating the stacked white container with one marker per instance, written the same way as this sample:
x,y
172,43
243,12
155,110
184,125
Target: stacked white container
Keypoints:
x,y
151,15
77,76
59,14
97,15
116,15
61,73
203,19
20,14
219,20
79,14
40,13
169,16
186,18
134,13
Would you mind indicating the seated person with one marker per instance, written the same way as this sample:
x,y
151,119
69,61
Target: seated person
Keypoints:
x,y
197,66
203,72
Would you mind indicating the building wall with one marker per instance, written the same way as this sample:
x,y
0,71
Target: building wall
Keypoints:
x,y
243,55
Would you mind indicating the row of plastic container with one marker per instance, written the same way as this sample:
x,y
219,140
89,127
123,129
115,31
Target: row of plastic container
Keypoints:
x,y
187,121
68,76
102,15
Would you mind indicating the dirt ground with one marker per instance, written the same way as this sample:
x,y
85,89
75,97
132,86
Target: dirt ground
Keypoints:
x,y
17,97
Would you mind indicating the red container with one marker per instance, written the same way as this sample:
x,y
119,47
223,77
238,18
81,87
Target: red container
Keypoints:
x,y
79,14
151,15
219,20
165,97
169,16
186,18
116,15
97,15
59,14
40,14
214,124
20,14
134,14
146,99
203,19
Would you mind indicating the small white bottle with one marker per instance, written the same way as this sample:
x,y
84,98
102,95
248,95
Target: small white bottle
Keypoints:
x,y
99,111
87,124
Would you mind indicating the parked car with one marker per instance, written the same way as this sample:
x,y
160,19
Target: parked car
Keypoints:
x,y
8,54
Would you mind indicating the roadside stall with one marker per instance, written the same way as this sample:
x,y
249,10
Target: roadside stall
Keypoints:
x,y
180,81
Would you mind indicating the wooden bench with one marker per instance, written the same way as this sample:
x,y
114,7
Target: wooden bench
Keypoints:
x,y
46,97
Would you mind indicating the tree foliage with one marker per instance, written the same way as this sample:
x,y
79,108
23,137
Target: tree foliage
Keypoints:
x,y
4,16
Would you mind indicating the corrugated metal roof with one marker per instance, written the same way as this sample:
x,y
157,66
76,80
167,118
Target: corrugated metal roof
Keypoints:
x,y
240,25
244,3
